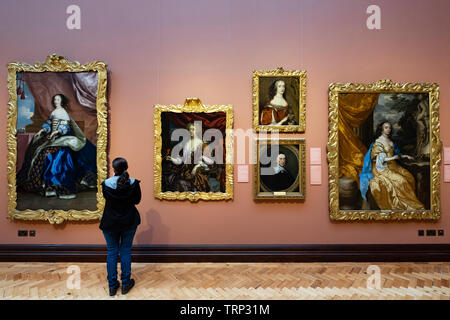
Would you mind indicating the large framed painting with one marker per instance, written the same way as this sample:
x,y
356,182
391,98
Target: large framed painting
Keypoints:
x,y
193,151
57,138
279,100
384,151
280,168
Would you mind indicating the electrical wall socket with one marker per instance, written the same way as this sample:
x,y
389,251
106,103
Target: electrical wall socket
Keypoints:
x,y
22,233
431,233
421,233
26,233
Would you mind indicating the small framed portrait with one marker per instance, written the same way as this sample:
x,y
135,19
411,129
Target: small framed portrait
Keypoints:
x,y
280,169
279,100
193,151
384,151
57,138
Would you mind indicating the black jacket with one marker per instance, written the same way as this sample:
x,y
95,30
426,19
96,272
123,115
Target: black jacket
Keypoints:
x,y
120,213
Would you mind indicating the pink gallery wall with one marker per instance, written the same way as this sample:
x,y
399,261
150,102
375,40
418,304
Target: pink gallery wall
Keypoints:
x,y
160,52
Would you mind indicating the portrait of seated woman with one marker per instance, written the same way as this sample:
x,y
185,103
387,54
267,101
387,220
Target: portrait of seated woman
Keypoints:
x,y
391,185
59,161
192,148
190,171
383,151
57,141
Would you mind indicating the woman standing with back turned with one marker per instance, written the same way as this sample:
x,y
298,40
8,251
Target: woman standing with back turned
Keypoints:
x,y
119,223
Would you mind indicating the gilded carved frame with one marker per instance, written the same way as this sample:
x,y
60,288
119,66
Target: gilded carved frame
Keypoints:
x,y
56,63
384,86
301,178
193,105
280,72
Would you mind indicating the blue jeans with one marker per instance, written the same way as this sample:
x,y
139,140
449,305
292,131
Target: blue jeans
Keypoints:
x,y
119,242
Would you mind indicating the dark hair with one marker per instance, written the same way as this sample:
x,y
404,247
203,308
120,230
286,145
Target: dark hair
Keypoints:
x,y
380,128
273,89
120,166
64,100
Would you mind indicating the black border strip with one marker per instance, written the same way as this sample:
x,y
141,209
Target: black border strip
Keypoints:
x,y
233,253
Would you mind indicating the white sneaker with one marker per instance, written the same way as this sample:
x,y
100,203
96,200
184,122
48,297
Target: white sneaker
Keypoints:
x,y
50,193
68,196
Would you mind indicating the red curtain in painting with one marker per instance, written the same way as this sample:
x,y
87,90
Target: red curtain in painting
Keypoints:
x,y
80,89
215,120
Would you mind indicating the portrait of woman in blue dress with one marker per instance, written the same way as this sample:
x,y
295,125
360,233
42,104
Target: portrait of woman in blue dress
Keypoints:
x,y
59,160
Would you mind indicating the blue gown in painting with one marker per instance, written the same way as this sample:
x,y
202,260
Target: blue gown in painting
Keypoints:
x,y
62,165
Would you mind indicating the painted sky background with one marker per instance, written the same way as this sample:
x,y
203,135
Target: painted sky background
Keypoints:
x,y
25,108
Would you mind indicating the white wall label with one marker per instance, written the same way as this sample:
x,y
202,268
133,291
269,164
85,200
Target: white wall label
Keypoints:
x,y
242,173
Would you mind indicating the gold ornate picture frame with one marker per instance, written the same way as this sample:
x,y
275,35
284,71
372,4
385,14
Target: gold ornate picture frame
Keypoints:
x,y
280,170
72,98
279,100
384,151
196,180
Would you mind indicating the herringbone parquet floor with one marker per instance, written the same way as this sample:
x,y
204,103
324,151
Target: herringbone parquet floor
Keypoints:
x,y
230,281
